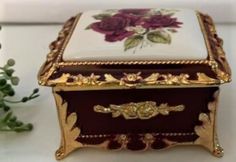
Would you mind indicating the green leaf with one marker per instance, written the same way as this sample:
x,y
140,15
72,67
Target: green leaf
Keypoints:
x,y
133,41
25,127
10,62
101,16
9,72
3,82
159,37
15,80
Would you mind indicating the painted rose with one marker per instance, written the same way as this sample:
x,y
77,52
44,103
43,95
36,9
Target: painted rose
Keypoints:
x,y
160,21
137,27
114,27
134,11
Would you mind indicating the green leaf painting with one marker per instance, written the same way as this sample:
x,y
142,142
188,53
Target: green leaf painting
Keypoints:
x,y
159,37
101,16
133,41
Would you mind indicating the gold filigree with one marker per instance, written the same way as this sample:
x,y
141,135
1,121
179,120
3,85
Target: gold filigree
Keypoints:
x,y
140,110
79,80
148,139
206,131
223,77
69,130
217,59
132,80
57,48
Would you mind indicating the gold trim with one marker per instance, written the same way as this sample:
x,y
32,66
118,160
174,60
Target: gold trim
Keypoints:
x,y
141,110
217,60
69,131
206,39
131,80
57,48
207,131
173,134
133,62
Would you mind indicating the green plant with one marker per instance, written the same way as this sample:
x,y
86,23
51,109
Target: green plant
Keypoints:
x,y
8,121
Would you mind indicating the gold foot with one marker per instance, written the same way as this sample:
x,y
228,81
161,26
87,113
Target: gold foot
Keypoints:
x,y
218,151
60,153
65,150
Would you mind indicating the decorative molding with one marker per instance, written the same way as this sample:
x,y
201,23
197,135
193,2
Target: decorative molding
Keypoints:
x,y
217,58
131,80
141,110
134,62
56,50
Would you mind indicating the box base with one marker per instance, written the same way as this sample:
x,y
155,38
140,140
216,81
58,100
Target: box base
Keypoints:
x,y
204,134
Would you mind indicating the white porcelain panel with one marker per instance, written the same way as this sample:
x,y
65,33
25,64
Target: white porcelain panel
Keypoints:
x,y
166,42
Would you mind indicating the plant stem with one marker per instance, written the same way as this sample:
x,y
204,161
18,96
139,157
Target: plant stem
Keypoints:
x,y
12,101
7,130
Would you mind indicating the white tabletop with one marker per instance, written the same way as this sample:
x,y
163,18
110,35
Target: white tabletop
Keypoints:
x,y
29,45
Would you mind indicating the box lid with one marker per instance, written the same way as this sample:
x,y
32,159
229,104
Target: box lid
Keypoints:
x,y
126,48
147,36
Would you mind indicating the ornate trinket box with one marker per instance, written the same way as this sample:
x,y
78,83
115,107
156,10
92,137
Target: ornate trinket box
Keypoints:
x,y
136,79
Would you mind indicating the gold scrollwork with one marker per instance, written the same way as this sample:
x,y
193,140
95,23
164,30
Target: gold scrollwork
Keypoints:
x,y
206,132
140,110
69,130
132,80
57,47
217,59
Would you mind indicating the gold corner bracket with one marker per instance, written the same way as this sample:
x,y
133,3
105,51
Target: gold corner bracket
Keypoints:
x,y
140,110
69,131
207,131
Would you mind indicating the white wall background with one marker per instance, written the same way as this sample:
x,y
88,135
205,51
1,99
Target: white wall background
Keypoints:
x,y
57,11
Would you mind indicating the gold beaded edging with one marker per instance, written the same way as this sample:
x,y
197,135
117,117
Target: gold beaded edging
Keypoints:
x,y
154,134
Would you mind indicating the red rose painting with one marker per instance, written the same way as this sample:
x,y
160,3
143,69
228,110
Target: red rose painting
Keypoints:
x,y
136,26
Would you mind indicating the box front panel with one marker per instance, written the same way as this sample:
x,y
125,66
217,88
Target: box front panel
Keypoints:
x,y
181,108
